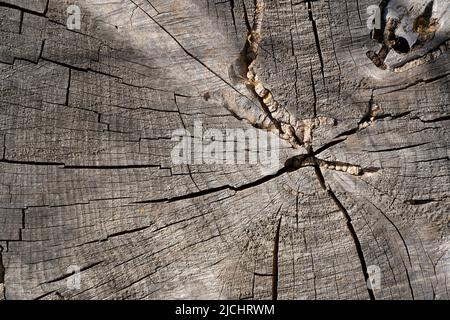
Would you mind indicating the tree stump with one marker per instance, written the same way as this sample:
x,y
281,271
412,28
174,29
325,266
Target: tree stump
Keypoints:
x,y
93,205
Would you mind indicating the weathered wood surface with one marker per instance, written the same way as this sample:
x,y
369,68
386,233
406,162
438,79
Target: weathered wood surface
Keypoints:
x,y
86,176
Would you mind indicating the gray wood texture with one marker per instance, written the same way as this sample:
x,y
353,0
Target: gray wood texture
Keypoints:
x,y
87,178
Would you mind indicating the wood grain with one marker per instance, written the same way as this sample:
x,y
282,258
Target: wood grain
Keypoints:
x,y
87,179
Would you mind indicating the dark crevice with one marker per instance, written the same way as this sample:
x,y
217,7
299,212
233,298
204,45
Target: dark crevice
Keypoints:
x,y
409,282
65,276
41,52
314,94
72,67
316,38
246,18
120,233
46,8
153,7
192,178
359,12
218,189
293,52
232,6
187,196
2,267
269,115
355,239
21,21
367,115
328,145
28,60
272,47
275,264
44,295
68,88
23,224
253,285
319,175
348,132
417,202
394,116
397,148
34,163
401,45
364,118
370,170
259,274
63,166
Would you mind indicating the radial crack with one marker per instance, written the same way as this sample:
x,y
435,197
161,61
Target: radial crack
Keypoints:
x,y
276,248
350,227
67,275
356,241
2,276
